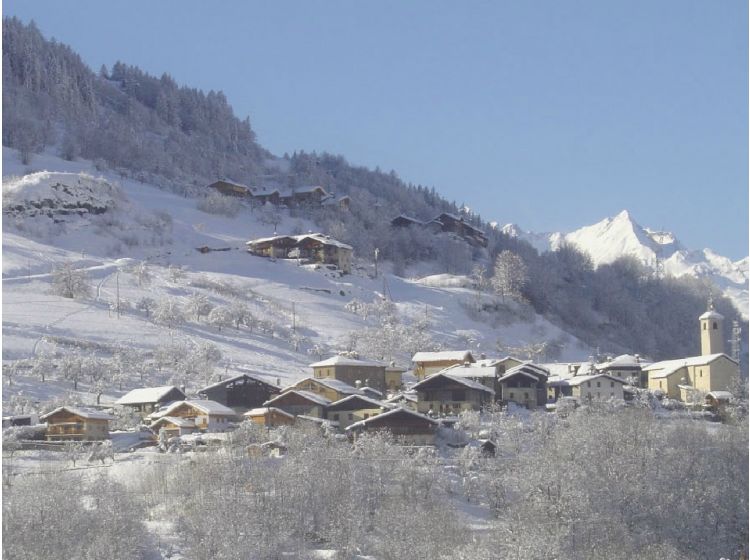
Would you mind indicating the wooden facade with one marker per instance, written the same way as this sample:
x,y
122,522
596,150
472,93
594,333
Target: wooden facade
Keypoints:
x,y
406,426
229,188
241,392
298,402
352,371
69,423
444,394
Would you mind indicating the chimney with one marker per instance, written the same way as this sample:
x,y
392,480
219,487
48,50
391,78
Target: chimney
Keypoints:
x,y
278,382
466,363
358,383
637,358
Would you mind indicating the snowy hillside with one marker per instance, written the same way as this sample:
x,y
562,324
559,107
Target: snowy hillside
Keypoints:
x,y
621,236
300,312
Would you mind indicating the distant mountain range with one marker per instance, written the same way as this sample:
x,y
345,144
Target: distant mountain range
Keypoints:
x,y
621,236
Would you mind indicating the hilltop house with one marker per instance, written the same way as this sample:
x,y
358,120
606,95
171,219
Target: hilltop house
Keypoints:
x,y
194,415
351,371
445,223
148,399
240,392
443,393
230,188
74,423
689,379
308,248
427,363
407,426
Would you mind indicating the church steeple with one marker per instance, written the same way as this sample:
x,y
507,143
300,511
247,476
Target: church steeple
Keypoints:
x,y
712,330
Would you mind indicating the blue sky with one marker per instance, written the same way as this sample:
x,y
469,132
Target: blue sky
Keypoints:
x,y
549,114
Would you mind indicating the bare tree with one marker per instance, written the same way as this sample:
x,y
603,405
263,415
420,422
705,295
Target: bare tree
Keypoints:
x,y
70,282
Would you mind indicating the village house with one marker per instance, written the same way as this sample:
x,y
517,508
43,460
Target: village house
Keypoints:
x,y
585,388
270,417
307,248
149,399
194,415
442,393
457,225
354,408
300,403
240,392
74,423
427,363
525,385
626,367
406,221
689,379
407,426
341,202
331,389
487,375
351,371
230,188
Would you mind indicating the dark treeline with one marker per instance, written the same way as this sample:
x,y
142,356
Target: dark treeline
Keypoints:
x,y
153,129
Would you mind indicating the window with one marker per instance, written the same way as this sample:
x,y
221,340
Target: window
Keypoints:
x,y
704,326
510,395
458,395
588,383
351,416
716,325
367,416
526,396
335,416
611,383
598,383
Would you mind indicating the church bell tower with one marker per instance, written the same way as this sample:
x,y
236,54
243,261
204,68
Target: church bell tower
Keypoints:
x,y
712,331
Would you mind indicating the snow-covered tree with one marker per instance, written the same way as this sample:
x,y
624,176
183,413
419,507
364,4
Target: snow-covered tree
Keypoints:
x,y
169,312
509,275
146,304
198,305
70,282
220,316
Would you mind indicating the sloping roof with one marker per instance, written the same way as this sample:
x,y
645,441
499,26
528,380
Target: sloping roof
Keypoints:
x,y
528,369
236,378
459,355
517,371
147,395
230,182
363,423
470,370
356,401
309,395
344,361
711,314
176,420
319,237
623,361
87,413
668,367
265,410
205,406
460,380
578,379
410,396
439,220
334,384
720,395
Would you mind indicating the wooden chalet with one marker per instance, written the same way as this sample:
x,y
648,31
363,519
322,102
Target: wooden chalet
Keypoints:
x,y
310,248
443,393
525,385
241,392
149,399
174,426
196,415
79,424
407,426
311,195
331,389
450,223
354,408
230,188
300,403
351,371
270,417
406,221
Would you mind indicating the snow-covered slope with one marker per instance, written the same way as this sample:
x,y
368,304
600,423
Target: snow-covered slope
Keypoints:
x,y
620,236
165,229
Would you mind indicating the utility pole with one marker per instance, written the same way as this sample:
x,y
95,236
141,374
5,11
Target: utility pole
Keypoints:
x,y
117,290
377,252
294,318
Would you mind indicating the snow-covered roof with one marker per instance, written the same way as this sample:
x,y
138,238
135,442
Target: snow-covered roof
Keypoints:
x,y
235,378
410,396
176,420
335,384
460,380
444,356
87,413
230,182
309,395
320,237
711,314
363,423
720,395
352,399
527,369
668,367
562,369
262,411
147,395
205,406
578,379
623,361
344,361
470,370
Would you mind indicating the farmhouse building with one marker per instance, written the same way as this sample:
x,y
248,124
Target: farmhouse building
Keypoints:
x,y
230,188
597,387
195,415
269,417
457,225
427,363
407,426
331,389
149,399
443,393
352,371
300,403
354,408
240,392
73,423
308,248
525,385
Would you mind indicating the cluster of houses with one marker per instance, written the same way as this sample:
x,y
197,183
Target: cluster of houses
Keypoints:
x,y
309,195
353,395
445,223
